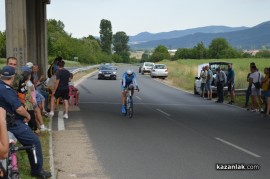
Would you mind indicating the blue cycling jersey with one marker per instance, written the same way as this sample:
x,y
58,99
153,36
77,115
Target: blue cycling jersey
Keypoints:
x,y
127,80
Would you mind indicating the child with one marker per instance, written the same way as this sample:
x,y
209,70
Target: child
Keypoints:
x,y
73,91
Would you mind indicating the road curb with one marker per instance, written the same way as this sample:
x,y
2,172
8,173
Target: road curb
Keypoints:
x,y
50,126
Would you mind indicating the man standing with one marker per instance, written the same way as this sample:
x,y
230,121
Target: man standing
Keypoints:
x,y
231,77
208,82
221,80
203,80
61,88
17,116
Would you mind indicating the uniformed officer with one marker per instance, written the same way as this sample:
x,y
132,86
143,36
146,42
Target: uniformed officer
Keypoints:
x,y
17,116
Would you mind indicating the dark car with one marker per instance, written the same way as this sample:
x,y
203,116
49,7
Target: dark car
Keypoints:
x,y
107,72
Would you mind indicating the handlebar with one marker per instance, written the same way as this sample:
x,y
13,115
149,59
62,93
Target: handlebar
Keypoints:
x,y
33,148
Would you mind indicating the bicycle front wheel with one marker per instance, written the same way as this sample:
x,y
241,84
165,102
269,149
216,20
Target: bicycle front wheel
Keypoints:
x,y
130,110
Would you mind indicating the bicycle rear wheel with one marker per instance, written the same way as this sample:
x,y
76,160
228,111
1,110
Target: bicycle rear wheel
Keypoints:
x,y
130,110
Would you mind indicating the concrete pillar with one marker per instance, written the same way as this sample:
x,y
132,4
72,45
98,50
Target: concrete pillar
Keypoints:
x,y
16,30
26,22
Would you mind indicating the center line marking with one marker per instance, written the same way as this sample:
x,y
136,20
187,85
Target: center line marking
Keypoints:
x,y
61,125
163,112
138,97
237,147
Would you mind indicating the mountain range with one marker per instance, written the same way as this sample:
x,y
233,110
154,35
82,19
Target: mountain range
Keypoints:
x,y
238,37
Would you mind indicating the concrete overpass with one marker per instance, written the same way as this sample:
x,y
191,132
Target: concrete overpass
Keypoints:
x,y
26,31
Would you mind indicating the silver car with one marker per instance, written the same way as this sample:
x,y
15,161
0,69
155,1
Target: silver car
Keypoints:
x,y
146,67
159,70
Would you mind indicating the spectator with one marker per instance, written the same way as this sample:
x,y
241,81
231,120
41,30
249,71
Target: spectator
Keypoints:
x,y
37,81
61,88
265,87
248,91
28,101
230,78
208,82
37,98
203,81
220,81
17,116
255,77
4,144
73,91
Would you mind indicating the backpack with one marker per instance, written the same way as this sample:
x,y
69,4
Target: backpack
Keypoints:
x,y
258,83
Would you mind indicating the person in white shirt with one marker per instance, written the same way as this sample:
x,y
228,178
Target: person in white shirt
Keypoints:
x,y
255,78
203,80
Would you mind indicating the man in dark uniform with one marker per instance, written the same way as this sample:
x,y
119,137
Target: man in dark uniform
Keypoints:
x,y
17,117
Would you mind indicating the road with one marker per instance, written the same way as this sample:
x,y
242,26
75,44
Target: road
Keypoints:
x,y
172,135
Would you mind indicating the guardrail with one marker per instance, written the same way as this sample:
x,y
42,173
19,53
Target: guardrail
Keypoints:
x,y
238,92
83,69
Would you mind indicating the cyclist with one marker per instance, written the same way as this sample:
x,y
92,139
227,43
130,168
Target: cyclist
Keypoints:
x,y
128,82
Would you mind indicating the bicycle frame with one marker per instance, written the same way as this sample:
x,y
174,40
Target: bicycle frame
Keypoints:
x,y
129,103
12,169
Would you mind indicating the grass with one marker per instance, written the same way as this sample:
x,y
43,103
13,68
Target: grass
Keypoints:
x,y
24,166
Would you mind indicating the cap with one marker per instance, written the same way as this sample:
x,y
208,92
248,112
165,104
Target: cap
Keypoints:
x,y
26,68
29,64
8,71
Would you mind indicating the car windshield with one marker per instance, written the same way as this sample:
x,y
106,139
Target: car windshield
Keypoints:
x,y
106,68
148,64
160,66
223,67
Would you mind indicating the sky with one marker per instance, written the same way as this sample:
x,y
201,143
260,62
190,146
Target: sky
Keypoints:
x,y
82,17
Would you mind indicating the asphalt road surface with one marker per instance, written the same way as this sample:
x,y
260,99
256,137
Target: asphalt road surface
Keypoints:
x,y
173,134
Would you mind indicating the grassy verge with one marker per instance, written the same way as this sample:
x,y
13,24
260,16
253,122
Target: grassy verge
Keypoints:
x,y
23,162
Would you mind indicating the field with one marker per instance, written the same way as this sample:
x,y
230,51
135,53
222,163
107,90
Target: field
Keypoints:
x,y
183,72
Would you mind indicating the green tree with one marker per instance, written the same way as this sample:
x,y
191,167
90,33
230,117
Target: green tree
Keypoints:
x,y
120,45
199,51
145,57
2,44
218,48
60,43
106,36
263,54
160,53
183,53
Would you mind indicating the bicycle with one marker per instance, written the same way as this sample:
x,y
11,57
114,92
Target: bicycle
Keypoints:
x,y
129,103
10,169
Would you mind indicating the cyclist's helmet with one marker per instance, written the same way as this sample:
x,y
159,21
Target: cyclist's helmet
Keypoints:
x,y
129,72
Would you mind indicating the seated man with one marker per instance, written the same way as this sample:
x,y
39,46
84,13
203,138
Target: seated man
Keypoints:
x,y
128,82
17,116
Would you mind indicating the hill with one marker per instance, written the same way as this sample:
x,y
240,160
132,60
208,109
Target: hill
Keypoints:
x,y
251,38
146,36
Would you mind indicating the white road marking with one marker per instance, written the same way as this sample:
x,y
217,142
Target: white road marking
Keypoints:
x,y
138,97
237,147
61,124
163,112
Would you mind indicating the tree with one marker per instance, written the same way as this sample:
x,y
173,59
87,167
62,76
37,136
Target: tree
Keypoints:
x,y
199,51
160,53
218,47
120,45
183,53
2,44
106,36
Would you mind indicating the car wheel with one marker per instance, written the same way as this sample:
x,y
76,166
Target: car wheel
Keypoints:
x,y
195,92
